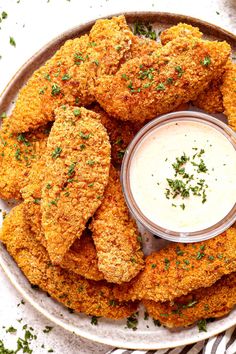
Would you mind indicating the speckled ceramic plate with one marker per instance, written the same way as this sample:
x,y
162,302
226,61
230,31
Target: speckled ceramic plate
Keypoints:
x,y
114,333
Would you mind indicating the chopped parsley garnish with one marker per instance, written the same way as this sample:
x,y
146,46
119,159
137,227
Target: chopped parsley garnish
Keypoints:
x,y
120,154
4,15
132,321
185,185
180,71
47,329
55,90
202,325
21,138
146,74
169,80
94,320
78,58
84,136
144,29
3,115
11,330
160,87
71,170
206,61
77,112
56,153
156,323
90,162
66,77
167,263
12,41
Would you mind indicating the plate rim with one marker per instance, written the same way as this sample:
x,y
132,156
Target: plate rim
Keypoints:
x,y
13,86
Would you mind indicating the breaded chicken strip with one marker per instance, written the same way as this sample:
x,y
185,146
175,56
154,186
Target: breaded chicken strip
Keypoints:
x,y
180,268
76,174
180,30
18,155
120,133
211,100
151,85
82,295
67,78
81,258
115,235
213,302
228,90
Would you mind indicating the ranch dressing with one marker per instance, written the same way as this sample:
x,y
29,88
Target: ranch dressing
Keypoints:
x,y
183,176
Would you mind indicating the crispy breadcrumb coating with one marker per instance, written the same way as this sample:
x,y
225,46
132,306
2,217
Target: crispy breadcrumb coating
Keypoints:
x,y
213,302
33,188
181,268
81,258
115,235
120,133
210,99
67,78
143,46
228,90
18,155
180,30
76,174
72,290
151,85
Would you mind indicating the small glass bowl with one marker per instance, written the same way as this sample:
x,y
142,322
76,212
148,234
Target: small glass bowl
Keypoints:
x,y
155,229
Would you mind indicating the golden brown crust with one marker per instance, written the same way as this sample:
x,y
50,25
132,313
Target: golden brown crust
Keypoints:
x,y
213,302
181,268
151,85
18,155
72,290
115,235
228,90
76,174
68,77
180,30
81,258
143,46
211,100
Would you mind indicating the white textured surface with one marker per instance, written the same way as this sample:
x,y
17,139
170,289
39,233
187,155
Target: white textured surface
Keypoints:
x,y
33,23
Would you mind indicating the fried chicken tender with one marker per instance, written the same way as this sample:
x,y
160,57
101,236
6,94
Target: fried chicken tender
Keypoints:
x,y
115,235
180,30
76,174
81,258
74,291
181,268
120,133
18,155
151,85
228,90
211,100
67,78
213,302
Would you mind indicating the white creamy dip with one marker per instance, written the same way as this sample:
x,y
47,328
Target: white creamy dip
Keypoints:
x,y
204,172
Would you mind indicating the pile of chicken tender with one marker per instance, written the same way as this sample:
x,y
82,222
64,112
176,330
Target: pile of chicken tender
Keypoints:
x,y
61,150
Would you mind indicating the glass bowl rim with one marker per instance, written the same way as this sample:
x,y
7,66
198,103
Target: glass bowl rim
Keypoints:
x,y
196,236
